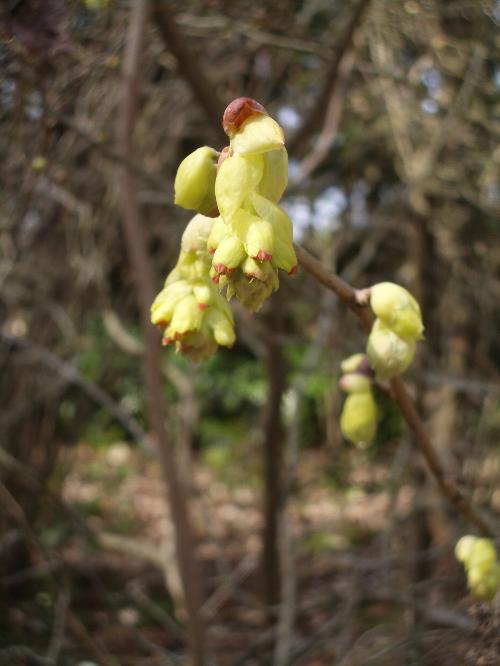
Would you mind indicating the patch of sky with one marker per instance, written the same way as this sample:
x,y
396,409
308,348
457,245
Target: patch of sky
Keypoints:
x,y
288,117
429,106
7,89
33,108
321,214
496,77
431,78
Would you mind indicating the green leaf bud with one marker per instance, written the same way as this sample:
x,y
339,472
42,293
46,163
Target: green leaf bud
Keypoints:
x,y
258,134
195,181
238,176
389,355
397,308
358,421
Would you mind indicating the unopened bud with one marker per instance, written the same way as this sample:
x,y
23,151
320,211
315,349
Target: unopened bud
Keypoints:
x,y
397,308
196,233
484,581
353,382
358,421
238,111
229,253
352,363
389,355
195,181
464,547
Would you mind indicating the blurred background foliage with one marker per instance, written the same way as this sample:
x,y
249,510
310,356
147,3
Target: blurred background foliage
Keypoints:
x,y
393,176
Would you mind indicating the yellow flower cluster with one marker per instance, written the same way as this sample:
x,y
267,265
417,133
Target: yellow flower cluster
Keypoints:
x,y
238,240
397,328
479,557
189,309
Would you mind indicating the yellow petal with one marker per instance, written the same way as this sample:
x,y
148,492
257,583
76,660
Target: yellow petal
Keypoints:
x,y
238,176
258,134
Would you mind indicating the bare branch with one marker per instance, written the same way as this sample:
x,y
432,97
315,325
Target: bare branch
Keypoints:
x,y
190,66
351,297
316,117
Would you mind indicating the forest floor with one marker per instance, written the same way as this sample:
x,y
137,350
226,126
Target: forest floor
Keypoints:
x,y
367,589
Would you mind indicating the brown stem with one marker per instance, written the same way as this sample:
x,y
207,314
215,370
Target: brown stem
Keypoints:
x,y
273,462
352,297
136,241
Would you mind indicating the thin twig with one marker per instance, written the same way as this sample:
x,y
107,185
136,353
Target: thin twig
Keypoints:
x,y
352,298
317,114
190,66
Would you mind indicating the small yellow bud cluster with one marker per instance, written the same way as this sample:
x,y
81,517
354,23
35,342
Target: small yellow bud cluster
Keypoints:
x,y
189,309
358,421
397,328
238,240
479,557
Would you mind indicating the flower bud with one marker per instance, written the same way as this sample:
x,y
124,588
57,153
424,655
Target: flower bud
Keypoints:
x,y
284,255
353,382
484,581
358,421
239,110
352,363
238,176
219,230
482,553
229,254
221,327
186,317
389,355
164,304
196,233
258,134
397,308
195,181
464,548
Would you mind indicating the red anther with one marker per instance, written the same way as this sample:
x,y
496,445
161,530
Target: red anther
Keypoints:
x,y
220,269
211,250
293,270
262,255
238,111
202,306
167,341
216,279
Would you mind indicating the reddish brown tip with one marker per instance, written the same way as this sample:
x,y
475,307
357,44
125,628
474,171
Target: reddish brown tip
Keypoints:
x,y
238,111
262,255
293,270
202,306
